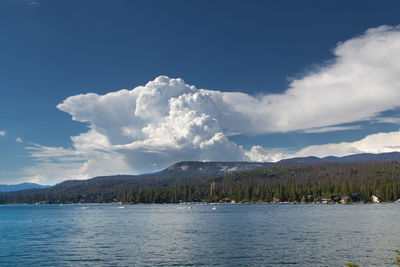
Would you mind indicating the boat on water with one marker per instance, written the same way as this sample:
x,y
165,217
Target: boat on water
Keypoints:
x,y
214,208
123,207
184,208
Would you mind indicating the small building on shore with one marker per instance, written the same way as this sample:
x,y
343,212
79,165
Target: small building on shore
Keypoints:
x,y
344,200
375,199
275,200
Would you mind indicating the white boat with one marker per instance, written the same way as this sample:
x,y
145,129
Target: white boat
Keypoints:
x,y
123,207
214,208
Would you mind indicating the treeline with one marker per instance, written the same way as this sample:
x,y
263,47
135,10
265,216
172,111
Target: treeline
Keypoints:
x,y
348,182
351,182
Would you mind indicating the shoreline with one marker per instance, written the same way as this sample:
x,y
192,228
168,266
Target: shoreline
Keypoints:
x,y
203,203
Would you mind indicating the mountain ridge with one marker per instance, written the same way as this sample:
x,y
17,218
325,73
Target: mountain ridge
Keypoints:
x,y
21,186
184,170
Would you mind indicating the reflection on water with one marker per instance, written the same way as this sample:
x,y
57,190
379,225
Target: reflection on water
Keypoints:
x,y
245,235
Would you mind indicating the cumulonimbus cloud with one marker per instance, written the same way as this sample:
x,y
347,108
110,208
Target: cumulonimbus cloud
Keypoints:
x,y
166,120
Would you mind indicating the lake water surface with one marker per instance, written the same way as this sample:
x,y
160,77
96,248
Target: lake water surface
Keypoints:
x,y
175,235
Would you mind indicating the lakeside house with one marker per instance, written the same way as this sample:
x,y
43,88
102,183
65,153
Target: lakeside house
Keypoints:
x,y
375,199
344,200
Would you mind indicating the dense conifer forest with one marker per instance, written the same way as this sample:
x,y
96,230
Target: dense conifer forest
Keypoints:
x,y
346,182
291,182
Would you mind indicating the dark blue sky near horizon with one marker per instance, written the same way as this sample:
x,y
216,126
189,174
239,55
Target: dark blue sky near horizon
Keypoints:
x,y
51,50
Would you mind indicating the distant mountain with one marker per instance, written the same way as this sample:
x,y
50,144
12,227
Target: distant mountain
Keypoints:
x,y
302,160
391,156
197,168
23,186
177,173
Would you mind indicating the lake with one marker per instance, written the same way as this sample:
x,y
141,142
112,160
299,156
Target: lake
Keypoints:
x,y
177,235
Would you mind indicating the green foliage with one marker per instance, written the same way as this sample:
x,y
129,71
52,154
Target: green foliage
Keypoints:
x,y
397,260
352,264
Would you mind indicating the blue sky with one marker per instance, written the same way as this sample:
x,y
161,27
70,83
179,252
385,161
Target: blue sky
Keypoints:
x,y
271,80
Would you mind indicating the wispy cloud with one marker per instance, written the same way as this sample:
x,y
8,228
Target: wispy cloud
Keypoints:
x,y
55,164
332,129
33,2
392,120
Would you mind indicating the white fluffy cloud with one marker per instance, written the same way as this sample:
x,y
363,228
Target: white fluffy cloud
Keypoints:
x,y
374,143
166,120
153,125
2,133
